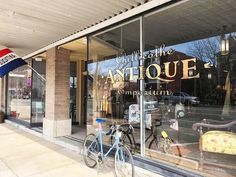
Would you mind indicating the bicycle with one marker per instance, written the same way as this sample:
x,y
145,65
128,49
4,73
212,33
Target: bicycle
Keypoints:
x,y
127,137
94,152
160,141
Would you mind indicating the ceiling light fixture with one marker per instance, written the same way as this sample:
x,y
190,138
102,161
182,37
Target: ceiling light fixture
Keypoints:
x,y
38,59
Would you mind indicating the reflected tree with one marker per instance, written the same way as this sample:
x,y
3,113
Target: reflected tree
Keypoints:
x,y
206,49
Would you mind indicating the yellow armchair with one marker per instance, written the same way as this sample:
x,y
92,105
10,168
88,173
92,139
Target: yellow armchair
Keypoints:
x,y
216,141
219,142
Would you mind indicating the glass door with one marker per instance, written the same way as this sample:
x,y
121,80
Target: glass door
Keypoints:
x,y
38,93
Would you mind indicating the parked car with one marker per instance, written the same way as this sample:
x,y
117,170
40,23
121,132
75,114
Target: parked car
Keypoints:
x,y
181,97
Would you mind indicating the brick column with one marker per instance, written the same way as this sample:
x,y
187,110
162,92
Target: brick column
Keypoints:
x,y
57,122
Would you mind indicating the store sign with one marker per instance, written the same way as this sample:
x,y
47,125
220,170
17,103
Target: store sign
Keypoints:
x,y
188,69
136,55
145,92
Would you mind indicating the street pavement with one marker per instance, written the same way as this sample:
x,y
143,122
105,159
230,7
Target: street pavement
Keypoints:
x,y
25,155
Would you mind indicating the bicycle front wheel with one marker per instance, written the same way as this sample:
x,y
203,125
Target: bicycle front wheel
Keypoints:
x,y
90,151
124,163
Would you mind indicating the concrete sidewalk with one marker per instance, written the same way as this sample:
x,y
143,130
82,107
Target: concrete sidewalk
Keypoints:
x,y
23,154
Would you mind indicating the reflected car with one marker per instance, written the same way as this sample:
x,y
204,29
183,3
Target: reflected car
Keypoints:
x,y
183,97
150,105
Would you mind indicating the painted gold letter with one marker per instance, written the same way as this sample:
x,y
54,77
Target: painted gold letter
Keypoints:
x,y
186,68
110,76
158,69
131,73
167,69
141,72
121,73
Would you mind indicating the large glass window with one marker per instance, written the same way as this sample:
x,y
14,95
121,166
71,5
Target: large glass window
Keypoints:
x,y
19,93
190,78
187,71
112,73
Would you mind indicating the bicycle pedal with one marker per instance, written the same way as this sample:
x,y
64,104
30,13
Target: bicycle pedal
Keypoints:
x,y
100,161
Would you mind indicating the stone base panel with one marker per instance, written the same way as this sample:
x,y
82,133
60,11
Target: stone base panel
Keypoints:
x,y
56,128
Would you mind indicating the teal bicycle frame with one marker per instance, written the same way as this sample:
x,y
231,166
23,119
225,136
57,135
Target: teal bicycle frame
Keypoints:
x,y
114,145
99,137
94,150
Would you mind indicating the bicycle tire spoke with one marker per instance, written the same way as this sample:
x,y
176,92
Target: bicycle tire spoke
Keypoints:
x,y
124,162
91,149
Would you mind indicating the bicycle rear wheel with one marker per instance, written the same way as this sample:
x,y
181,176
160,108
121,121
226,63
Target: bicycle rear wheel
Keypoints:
x,y
126,140
91,150
165,145
124,163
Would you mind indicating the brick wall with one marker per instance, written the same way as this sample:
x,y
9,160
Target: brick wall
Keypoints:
x,y
57,84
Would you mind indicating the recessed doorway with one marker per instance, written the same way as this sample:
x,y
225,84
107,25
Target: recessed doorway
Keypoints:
x,y
77,113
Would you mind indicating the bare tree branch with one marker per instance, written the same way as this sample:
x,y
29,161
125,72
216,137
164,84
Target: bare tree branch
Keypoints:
x,y
205,49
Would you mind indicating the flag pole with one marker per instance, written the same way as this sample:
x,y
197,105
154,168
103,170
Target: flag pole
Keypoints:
x,y
37,73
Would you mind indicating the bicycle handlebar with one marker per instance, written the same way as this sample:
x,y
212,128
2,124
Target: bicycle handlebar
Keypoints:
x,y
114,127
111,130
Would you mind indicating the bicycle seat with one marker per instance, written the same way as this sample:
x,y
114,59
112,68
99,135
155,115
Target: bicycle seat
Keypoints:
x,y
99,120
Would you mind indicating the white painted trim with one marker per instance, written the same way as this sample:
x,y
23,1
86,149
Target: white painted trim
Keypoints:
x,y
137,10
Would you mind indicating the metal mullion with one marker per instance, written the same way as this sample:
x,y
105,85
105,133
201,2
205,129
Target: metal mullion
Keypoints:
x,y
31,101
116,26
86,82
141,89
6,95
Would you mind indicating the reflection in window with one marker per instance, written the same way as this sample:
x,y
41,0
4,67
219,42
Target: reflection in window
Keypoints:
x,y
200,80
19,93
109,80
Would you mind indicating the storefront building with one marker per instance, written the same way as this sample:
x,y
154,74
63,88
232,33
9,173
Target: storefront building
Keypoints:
x,y
170,72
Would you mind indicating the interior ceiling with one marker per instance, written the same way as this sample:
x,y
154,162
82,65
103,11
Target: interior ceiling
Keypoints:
x,y
78,49
98,49
182,23
190,21
27,25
